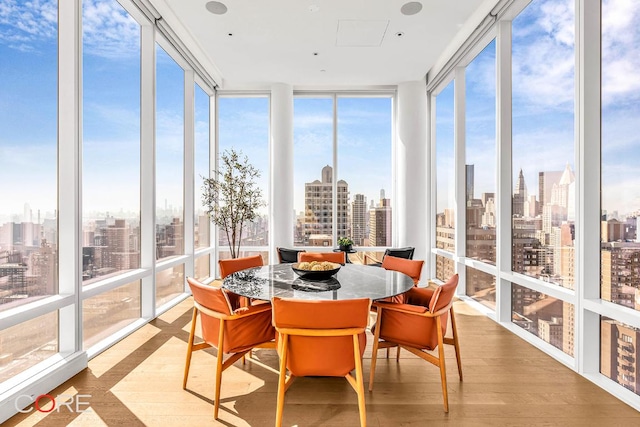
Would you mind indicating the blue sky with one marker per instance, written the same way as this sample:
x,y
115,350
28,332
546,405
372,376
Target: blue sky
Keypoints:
x,y
542,105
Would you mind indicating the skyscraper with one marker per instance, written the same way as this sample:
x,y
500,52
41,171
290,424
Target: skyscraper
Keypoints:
x,y
469,181
359,219
380,223
519,195
318,201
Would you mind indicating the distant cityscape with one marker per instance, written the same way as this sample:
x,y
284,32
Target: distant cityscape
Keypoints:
x,y
542,241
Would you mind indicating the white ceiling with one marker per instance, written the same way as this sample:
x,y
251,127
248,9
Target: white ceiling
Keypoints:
x,y
356,41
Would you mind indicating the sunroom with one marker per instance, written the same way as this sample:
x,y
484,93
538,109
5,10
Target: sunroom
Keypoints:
x,y
495,137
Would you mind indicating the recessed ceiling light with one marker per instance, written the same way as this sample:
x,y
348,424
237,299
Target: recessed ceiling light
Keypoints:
x,y
216,7
411,8
314,8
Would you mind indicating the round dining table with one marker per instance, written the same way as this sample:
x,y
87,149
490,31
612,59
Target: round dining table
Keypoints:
x,y
351,281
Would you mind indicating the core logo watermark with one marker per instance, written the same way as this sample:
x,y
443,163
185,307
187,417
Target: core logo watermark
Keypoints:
x,y
75,403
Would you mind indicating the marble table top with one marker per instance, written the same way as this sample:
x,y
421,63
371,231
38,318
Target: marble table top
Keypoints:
x,y
352,281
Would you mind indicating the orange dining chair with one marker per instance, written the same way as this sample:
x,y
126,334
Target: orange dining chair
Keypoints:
x,y
419,326
339,257
233,265
231,329
413,269
320,338
230,266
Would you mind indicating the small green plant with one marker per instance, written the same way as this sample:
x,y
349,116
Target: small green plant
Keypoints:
x,y
345,241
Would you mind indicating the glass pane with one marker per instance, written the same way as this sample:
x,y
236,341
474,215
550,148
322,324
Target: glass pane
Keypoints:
x,y
109,312
169,156
620,247
28,152
619,353
202,268
546,317
445,268
543,205
364,170
481,287
27,344
111,141
480,150
313,171
445,200
201,238
243,124
169,284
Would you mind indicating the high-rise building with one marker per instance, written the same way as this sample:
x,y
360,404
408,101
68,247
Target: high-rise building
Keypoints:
x,y
380,223
359,220
545,185
618,357
519,195
318,200
469,170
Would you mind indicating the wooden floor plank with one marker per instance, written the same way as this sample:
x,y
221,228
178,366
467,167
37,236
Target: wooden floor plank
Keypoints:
x,y
507,382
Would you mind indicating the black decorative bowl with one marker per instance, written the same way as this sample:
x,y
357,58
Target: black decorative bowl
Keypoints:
x,y
314,274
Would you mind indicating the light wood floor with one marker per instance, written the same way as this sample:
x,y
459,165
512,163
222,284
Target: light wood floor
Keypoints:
x,y
507,382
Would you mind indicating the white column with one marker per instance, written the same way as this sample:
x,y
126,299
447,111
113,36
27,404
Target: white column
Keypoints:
x,y
281,214
412,168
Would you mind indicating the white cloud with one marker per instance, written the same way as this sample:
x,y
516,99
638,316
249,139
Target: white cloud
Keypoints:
x,y
543,56
620,51
108,30
25,25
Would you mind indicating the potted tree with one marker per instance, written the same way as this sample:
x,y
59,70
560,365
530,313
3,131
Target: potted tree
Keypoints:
x,y
232,197
345,243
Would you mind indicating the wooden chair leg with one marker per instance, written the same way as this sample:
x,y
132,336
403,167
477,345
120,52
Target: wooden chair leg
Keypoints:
x,y
441,364
192,334
456,343
359,381
374,354
281,379
219,357
398,355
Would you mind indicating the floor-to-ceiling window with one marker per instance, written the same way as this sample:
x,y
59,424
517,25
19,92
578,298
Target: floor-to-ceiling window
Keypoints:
x,y
243,126
81,171
364,197
480,172
543,194
445,224
346,139
313,171
620,199
202,169
169,173
110,165
28,184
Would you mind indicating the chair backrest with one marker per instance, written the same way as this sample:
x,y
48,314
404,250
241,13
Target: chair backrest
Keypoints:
x,y
339,257
412,268
230,266
240,332
443,295
211,297
288,255
406,253
321,355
